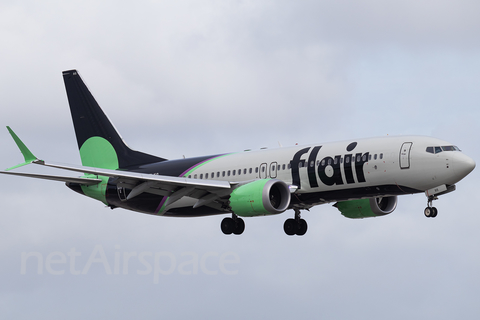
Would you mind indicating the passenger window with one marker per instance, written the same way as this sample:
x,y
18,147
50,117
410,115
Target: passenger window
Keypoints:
x,y
329,162
201,176
223,174
256,169
218,174
206,175
369,157
263,169
233,172
190,176
375,157
283,167
195,177
364,158
228,173
250,170
381,156
245,171
289,166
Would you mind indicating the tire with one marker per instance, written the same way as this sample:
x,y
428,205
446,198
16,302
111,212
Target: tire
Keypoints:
x,y
290,227
302,227
239,227
428,212
434,212
227,226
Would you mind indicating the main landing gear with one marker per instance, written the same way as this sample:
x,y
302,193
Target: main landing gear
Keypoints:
x,y
233,225
296,226
431,212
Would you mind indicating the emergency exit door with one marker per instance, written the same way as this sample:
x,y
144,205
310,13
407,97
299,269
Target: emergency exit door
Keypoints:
x,y
405,155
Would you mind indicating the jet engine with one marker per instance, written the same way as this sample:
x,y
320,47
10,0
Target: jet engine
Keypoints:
x,y
366,208
259,198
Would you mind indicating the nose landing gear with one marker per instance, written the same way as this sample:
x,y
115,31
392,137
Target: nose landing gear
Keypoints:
x,y
430,212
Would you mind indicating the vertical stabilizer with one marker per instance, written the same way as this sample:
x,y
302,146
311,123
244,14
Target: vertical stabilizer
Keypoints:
x,y
99,143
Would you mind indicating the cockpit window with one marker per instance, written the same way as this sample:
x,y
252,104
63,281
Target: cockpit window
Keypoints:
x,y
442,148
450,148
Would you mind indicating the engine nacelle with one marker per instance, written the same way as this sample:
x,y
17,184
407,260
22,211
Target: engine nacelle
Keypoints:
x,y
366,208
259,198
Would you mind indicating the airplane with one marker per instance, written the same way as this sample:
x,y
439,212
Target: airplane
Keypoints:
x,y
361,177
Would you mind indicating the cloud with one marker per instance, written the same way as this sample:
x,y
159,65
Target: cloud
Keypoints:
x,y
193,78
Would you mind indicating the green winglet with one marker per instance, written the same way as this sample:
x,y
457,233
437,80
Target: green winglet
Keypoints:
x,y
27,154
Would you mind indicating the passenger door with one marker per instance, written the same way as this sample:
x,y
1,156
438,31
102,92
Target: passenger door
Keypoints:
x,y
405,155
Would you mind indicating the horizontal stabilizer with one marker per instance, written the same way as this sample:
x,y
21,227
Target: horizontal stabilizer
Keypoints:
x,y
84,181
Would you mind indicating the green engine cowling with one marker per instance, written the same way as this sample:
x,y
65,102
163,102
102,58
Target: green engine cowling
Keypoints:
x,y
366,208
259,198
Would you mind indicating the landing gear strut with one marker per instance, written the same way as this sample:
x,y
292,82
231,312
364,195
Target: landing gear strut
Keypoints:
x,y
296,226
431,212
233,225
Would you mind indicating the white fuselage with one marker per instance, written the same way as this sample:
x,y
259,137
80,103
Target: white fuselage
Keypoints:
x,y
341,166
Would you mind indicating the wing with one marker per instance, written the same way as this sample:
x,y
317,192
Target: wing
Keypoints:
x,y
81,180
205,191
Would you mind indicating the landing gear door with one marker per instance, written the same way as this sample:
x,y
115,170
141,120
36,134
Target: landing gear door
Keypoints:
x,y
405,155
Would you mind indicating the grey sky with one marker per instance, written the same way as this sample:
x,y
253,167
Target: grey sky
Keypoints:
x,y
192,78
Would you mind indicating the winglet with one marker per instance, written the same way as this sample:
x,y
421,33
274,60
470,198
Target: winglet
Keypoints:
x,y
27,154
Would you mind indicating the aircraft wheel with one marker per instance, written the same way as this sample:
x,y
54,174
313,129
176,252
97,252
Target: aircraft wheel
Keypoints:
x,y
434,212
228,226
239,226
302,227
290,227
428,212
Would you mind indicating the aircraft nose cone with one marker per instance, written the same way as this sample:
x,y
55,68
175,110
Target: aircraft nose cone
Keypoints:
x,y
463,165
